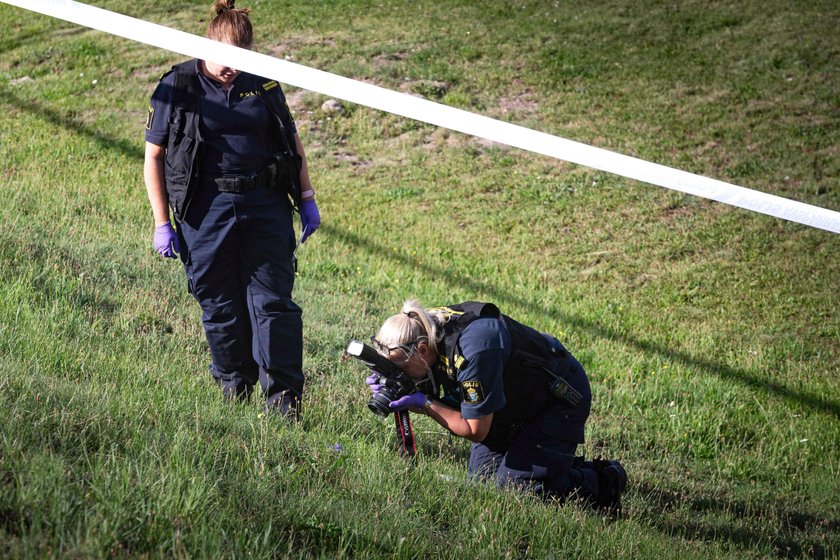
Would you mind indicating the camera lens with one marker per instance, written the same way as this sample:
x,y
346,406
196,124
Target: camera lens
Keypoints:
x,y
378,403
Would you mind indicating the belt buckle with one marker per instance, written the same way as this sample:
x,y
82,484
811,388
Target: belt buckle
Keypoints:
x,y
222,184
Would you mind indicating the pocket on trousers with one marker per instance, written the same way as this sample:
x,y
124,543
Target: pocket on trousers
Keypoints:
x,y
186,258
563,426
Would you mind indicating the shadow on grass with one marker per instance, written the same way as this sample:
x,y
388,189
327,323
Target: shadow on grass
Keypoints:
x,y
747,378
744,377
783,546
106,142
8,44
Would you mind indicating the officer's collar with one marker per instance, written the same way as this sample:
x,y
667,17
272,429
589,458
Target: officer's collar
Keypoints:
x,y
219,85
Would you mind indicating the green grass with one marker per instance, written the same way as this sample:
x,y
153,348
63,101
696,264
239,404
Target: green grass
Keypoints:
x,y
710,334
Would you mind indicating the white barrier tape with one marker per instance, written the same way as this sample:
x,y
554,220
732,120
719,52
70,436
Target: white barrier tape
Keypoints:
x,y
433,113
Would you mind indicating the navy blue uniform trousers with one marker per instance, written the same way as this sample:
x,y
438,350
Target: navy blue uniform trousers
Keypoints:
x,y
539,455
237,251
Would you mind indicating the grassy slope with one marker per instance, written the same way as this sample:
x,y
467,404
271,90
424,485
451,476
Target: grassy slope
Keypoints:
x,y
710,333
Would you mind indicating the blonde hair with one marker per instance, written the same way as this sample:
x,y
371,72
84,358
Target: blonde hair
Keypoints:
x,y
230,25
413,323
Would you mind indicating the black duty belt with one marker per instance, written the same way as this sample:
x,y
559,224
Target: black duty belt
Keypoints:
x,y
244,183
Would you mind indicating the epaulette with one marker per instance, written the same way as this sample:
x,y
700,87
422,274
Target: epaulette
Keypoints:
x,y
269,85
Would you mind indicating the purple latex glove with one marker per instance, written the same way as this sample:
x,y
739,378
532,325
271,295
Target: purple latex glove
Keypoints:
x,y
310,218
373,382
414,400
166,241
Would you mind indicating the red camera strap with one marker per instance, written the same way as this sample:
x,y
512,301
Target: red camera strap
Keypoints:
x,y
405,434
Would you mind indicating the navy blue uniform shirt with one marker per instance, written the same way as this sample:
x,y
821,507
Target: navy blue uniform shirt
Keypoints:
x,y
485,344
236,125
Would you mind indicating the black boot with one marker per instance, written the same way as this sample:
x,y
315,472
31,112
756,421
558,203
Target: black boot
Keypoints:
x,y
284,403
612,480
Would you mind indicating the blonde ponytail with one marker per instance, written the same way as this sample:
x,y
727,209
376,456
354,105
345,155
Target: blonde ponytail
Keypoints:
x,y
409,326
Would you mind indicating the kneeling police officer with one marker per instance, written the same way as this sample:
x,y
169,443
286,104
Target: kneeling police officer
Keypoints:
x,y
516,393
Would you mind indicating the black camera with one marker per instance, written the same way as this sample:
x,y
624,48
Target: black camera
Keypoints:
x,y
395,383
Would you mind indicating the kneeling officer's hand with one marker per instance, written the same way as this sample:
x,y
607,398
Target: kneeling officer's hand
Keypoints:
x,y
414,400
373,382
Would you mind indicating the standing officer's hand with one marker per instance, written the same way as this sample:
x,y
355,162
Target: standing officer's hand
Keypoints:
x,y
166,241
310,218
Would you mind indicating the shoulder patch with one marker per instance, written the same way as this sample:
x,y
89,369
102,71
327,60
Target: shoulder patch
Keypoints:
x,y
270,85
150,118
472,392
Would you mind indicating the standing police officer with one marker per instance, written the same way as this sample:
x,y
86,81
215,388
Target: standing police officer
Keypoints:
x,y
223,152
517,394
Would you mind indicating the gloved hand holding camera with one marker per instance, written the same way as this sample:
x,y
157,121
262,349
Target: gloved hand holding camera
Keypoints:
x,y
414,400
374,383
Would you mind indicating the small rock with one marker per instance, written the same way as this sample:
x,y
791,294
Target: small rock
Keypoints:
x,y
332,106
22,80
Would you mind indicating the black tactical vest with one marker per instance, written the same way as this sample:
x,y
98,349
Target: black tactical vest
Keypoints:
x,y
184,146
525,381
